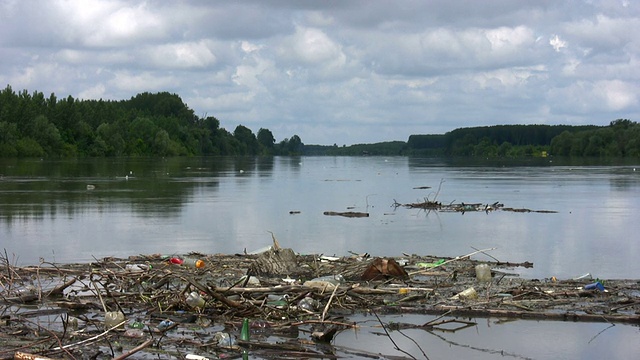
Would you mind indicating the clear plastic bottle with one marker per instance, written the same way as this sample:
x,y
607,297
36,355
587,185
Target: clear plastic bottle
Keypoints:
x,y
113,318
308,303
483,273
195,300
195,263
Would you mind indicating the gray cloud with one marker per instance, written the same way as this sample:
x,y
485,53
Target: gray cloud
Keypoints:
x,y
337,71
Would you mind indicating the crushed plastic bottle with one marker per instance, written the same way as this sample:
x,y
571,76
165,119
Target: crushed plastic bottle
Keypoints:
x,y
134,333
113,319
137,267
308,303
252,281
325,282
165,324
224,339
195,300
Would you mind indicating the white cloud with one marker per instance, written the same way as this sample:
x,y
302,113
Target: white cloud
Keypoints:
x,y
618,94
181,55
556,43
136,82
98,23
95,92
345,72
313,47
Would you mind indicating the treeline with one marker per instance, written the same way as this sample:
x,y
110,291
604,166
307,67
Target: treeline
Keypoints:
x,y
161,124
620,139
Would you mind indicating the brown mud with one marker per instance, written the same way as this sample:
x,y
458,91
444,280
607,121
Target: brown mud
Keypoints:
x,y
295,304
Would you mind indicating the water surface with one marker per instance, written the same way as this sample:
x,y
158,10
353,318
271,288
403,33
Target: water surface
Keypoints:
x,y
227,205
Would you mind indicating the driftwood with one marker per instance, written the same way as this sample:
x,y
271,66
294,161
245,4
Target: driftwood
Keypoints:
x,y
351,214
465,207
154,295
275,261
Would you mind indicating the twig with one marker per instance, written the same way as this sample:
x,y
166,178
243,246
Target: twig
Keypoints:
x,y
451,260
102,334
135,349
485,254
99,296
415,342
438,192
390,338
598,334
58,340
326,308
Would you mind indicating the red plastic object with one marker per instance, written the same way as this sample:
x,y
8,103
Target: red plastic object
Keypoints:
x,y
176,261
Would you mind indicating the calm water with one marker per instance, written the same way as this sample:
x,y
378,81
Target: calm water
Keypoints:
x,y
227,205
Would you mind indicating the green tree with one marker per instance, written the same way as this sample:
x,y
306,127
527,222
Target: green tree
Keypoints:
x,y
28,147
8,139
246,139
47,135
142,132
162,144
266,140
109,141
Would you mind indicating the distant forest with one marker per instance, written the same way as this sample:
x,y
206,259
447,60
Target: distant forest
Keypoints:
x,y
161,124
32,125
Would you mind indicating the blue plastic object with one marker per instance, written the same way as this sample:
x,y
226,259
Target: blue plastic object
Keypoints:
x,y
595,286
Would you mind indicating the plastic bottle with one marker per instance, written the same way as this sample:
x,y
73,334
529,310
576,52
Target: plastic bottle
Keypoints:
x,y
308,303
176,261
244,331
136,324
195,263
134,333
483,273
113,318
164,324
195,300
225,339
137,267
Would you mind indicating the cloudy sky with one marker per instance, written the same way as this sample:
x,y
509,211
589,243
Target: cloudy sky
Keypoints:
x,y
341,72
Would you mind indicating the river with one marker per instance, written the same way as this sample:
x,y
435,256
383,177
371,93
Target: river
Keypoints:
x,y
75,210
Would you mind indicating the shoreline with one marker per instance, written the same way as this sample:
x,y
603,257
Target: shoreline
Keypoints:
x,y
286,293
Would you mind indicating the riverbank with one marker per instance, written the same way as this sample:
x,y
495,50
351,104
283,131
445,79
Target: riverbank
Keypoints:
x,y
294,303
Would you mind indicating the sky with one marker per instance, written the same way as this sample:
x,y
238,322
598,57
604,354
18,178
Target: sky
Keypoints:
x,y
337,72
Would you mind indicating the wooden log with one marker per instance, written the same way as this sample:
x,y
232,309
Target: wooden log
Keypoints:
x,y
351,214
275,262
465,311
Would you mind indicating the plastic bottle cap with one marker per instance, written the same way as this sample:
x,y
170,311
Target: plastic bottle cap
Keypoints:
x,y
176,261
199,264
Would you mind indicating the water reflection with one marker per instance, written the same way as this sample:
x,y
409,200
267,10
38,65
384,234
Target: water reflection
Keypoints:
x,y
220,204
494,338
35,189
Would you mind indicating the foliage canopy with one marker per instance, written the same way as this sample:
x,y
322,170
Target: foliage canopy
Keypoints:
x,y
161,124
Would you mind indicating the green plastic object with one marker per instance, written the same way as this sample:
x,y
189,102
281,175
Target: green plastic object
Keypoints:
x,y
244,333
429,265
